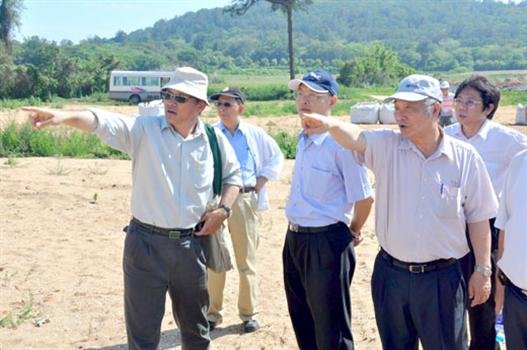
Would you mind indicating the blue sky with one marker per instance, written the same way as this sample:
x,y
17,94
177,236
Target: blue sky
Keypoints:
x,y
80,19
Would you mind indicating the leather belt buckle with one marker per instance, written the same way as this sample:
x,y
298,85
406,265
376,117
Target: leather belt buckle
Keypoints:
x,y
417,268
174,234
293,227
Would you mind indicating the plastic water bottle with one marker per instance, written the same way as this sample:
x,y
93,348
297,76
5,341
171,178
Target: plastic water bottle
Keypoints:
x,y
500,334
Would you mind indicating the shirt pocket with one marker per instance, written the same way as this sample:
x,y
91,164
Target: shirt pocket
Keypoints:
x,y
318,183
201,171
447,203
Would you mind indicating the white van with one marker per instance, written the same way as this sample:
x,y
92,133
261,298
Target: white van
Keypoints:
x,y
137,86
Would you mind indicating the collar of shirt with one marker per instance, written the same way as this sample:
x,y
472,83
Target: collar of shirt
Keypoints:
x,y
483,131
444,147
241,128
199,130
317,139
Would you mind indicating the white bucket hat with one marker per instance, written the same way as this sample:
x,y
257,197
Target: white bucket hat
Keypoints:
x,y
189,81
417,87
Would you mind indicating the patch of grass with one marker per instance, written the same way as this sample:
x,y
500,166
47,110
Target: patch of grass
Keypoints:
x,y
59,169
511,98
11,161
15,318
287,144
21,140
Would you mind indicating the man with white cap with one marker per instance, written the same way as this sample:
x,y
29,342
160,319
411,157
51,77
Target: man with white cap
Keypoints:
x,y
447,105
172,171
428,185
260,160
329,202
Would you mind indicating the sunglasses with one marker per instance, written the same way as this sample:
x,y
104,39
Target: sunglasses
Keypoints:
x,y
224,104
170,97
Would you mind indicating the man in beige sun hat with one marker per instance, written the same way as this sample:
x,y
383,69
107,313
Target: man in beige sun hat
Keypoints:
x,y
172,171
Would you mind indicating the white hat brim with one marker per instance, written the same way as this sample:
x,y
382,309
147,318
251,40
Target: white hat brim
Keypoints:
x,y
189,90
406,96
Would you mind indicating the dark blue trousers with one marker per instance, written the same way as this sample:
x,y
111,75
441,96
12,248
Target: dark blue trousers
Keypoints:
x,y
515,318
429,307
153,265
318,269
482,317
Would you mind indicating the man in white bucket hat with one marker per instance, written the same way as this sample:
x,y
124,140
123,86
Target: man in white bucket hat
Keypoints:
x,y
172,168
428,186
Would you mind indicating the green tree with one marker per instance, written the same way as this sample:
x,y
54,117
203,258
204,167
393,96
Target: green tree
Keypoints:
x,y
379,66
9,19
240,7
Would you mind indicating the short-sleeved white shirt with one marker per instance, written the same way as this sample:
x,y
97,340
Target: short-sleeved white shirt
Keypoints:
x,y
422,204
496,144
512,218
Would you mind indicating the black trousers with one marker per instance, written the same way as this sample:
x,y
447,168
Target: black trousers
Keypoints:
x,y
318,269
482,318
428,306
153,265
515,318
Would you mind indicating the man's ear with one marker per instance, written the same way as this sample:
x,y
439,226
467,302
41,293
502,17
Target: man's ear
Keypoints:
x,y
241,108
333,101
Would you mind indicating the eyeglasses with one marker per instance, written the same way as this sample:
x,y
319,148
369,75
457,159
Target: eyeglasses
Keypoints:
x,y
224,104
170,97
468,103
310,97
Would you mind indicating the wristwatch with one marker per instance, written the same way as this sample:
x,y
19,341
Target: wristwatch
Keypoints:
x,y
484,270
227,209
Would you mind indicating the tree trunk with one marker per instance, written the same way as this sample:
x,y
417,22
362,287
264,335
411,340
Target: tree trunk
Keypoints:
x,y
290,41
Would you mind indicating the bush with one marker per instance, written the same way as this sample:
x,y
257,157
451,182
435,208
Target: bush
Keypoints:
x,y
287,144
22,140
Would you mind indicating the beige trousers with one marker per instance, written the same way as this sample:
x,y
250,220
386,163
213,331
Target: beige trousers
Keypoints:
x,y
243,227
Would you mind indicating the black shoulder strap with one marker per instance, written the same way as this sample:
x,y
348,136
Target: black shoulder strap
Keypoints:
x,y
216,154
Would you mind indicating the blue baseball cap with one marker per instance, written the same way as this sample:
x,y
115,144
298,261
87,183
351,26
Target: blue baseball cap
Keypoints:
x,y
319,80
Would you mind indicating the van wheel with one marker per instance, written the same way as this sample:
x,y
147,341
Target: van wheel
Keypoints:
x,y
135,99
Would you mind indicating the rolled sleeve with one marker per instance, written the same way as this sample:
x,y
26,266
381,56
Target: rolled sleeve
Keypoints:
x,y
115,129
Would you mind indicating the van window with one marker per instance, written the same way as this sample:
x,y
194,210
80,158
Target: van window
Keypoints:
x,y
117,81
129,81
164,80
150,81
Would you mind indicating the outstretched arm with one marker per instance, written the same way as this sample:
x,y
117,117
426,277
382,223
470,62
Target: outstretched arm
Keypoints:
x,y
44,117
346,134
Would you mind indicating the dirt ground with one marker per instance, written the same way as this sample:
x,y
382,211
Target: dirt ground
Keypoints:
x,y
61,246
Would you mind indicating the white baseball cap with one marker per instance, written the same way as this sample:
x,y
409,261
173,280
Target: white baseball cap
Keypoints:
x,y
417,87
189,81
444,85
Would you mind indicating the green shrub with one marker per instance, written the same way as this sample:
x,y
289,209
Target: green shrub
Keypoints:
x,y
287,144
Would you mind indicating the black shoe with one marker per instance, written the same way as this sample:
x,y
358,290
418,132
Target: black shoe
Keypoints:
x,y
250,326
212,326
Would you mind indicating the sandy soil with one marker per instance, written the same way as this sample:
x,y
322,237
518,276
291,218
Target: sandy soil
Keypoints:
x,y
61,247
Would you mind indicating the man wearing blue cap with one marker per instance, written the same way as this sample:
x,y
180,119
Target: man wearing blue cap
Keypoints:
x,y
318,255
428,185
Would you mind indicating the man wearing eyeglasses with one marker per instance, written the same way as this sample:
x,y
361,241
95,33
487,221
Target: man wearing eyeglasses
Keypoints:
x,y
172,171
475,101
261,160
428,185
329,202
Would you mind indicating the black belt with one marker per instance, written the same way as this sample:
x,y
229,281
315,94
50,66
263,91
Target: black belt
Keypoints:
x,y
418,267
304,229
247,189
172,233
507,282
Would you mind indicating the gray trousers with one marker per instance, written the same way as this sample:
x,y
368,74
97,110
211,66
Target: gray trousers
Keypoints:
x,y
152,265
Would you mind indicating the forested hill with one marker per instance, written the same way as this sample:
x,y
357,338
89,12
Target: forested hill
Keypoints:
x,y
429,35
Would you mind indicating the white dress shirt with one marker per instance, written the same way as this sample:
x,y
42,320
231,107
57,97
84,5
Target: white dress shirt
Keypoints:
x,y
496,144
422,204
171,175
512,218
